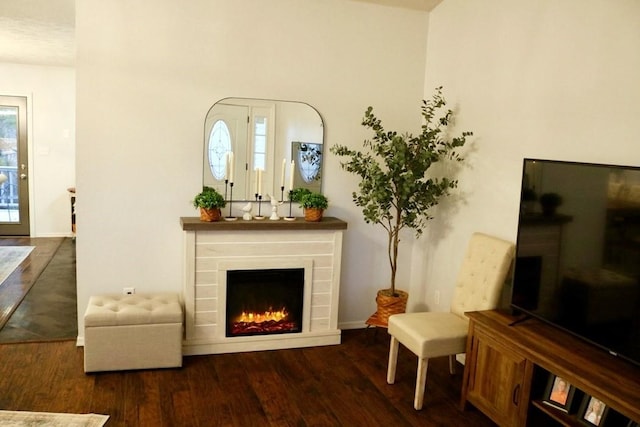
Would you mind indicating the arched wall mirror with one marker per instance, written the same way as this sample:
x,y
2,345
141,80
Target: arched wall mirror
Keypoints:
x,y
261,146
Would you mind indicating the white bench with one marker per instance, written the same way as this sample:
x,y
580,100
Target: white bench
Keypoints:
x,y
139,331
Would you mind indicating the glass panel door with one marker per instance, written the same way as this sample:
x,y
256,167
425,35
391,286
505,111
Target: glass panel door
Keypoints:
x,y
14,188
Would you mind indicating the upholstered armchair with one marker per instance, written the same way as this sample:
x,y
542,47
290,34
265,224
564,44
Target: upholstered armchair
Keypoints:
x,y
434,334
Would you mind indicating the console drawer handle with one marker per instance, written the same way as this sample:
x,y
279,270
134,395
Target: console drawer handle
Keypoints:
x,y
516,395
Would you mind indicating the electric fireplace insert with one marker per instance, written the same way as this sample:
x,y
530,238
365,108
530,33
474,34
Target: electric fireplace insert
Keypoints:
x,y
264,302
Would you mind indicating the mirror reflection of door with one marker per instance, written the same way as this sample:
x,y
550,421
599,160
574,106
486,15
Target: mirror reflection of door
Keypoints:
x,y
14,188
261,143
248,132
272,128
226,131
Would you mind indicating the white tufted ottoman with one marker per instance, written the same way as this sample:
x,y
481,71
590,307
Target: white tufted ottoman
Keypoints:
x,y
139,331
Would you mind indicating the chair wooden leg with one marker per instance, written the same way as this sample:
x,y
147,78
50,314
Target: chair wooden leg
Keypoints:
x,y
452,364
421,382
393,360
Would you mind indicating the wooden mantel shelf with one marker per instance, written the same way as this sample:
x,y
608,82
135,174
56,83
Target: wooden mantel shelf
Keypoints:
x,y
327,223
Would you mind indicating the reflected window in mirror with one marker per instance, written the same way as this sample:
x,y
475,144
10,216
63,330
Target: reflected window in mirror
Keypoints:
x,y
263,134
309,159
219,147
260,144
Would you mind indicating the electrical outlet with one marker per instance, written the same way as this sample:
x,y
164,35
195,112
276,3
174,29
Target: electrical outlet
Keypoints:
x,y
436,297
128,291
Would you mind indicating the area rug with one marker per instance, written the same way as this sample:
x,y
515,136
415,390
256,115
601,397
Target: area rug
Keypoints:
x,y
10,258
49,419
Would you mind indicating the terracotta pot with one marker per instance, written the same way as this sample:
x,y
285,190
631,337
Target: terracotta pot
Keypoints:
x,y
313,214
210,215
389,304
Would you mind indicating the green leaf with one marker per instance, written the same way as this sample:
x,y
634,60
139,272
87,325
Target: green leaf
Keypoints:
x,y
396,189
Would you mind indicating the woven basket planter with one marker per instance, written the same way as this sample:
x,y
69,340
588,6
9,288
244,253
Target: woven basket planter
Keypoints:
x,y
389,304
210,215
313,214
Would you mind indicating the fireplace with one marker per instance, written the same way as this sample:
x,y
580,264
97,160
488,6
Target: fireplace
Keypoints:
x,y
214,251
264,301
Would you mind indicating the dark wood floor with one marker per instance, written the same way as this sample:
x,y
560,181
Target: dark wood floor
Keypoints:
x,y
18,284
38,300
341,385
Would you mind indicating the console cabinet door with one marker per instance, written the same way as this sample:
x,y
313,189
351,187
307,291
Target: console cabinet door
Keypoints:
x,y
500,380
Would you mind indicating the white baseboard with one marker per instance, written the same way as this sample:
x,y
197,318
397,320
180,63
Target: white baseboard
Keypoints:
x,y
69,234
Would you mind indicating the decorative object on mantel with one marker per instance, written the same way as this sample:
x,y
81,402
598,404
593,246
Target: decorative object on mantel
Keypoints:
x,y
290,217
247,211
228,179
314,205
230,217
210,202
327,223
395,191
296,194
259,202
274,208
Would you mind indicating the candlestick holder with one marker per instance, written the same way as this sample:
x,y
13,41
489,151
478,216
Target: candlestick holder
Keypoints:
x,y
230,217
259,217
226,182
290,217
282,194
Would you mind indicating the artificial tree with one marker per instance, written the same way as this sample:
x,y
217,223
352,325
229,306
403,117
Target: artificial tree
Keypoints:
x,y
395,190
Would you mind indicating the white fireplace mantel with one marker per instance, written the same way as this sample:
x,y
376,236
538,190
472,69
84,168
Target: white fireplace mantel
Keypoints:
x,y
210,249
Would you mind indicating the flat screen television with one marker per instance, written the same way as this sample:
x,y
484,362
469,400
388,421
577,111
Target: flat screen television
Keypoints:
x,y
578,263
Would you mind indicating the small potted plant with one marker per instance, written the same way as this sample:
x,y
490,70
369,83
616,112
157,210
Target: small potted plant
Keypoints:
x,y
210,202
298,193
549,203
314,205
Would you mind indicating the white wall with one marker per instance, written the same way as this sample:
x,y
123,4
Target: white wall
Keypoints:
x,y
548,79
50,93
147,73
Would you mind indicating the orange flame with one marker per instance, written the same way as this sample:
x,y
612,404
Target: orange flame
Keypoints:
x,y
266,316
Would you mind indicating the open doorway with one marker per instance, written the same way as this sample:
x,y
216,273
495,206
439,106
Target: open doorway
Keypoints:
x,y
37,62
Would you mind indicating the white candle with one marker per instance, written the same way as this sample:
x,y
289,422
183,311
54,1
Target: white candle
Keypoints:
x,y
284,165
231,166
293,168
257,172
260,182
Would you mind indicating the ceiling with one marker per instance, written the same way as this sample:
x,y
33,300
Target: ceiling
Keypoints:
x,y
42,32
39,32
